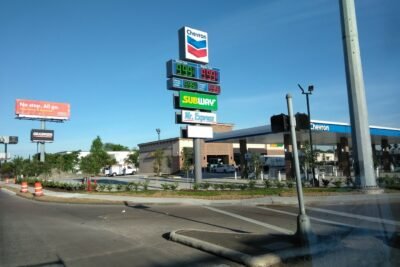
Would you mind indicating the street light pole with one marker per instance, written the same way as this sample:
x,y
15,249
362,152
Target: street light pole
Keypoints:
x,y
309,92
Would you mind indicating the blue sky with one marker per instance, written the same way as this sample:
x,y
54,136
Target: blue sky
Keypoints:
x,y
107,59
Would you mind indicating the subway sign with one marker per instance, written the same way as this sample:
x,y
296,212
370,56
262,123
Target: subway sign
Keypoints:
x,y
197,101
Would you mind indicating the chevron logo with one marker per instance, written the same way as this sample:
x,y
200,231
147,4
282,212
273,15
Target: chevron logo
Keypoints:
x,y
197,48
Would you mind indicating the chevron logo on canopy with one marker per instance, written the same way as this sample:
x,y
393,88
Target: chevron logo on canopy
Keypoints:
x,y
193,45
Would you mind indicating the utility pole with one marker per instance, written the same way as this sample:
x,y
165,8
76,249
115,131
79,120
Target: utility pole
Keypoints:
x,y
360,133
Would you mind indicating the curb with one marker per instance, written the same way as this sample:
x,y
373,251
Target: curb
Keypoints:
x,y
248,260
264,260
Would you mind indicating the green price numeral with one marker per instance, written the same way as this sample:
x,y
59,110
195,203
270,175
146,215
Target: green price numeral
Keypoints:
x,y
190,85
185,70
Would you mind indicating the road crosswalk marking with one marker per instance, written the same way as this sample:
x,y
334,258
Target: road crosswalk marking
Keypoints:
x,y
266,225
355,216
311,217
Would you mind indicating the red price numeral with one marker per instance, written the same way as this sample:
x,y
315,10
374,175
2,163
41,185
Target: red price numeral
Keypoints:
x,y
209,75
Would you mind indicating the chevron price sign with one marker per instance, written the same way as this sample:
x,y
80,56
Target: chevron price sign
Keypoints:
x,y
193,45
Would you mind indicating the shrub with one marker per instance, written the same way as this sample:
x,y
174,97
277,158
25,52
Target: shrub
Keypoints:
x,y
268,183
280,185
145,185
325,182
165,186
289,184
196,186
119,187
133,186
222,186
251,185
110,187
230,186
243,187
337,183
215,186
205,185
173,186
101,187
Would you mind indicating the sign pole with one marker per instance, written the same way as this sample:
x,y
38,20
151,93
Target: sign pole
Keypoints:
x,y
42,154
197,160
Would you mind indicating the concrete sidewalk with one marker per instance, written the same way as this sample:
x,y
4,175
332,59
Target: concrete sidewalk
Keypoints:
x,y
267,200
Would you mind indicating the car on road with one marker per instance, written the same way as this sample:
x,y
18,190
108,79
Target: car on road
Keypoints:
x,y
225,168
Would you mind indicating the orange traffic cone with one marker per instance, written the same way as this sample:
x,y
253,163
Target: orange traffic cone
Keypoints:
x,y
38,189
24,187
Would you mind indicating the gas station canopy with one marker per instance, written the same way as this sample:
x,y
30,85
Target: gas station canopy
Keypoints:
x,y
323,133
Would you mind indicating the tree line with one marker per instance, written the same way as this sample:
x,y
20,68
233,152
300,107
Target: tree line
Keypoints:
x,y
70,162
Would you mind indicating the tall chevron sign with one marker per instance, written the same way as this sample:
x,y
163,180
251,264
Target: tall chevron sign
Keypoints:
x,y
193,45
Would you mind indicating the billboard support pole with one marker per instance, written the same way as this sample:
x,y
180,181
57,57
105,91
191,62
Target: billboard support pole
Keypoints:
x,y
42,155
5,150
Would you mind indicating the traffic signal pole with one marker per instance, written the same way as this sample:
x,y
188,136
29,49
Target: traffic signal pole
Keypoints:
x,y
314,182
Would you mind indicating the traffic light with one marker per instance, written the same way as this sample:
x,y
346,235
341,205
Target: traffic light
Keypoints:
x,y
302,121
280,123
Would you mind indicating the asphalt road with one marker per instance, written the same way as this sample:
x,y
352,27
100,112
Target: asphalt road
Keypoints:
x,y
48,234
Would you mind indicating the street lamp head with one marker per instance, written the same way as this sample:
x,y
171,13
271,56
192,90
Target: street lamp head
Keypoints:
x,y
311,88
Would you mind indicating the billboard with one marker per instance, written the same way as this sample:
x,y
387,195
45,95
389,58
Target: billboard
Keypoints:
x,y
199,131
189,116
193,45
33,109
197,101
9,140
39,135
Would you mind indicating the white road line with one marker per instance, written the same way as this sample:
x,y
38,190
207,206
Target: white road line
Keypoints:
x,y
312,218
266,225
355,216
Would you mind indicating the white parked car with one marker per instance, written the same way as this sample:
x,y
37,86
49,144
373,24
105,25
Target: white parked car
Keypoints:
x,y
224,168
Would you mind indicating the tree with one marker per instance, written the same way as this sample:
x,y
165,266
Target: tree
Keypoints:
x,y
308,160
114,147
187,158
89,165
256,164
97,159
158,160
133,158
